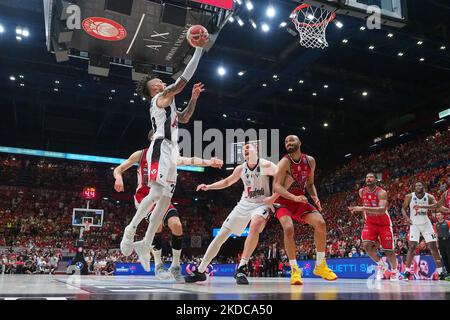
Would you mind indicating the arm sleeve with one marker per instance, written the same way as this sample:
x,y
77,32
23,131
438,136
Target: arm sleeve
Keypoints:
x,y
192,65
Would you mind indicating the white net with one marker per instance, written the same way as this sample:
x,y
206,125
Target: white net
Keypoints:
x,y
311,23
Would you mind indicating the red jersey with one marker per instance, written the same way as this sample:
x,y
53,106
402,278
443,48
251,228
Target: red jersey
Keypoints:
x,y
142,189
300,172
370,199
447,199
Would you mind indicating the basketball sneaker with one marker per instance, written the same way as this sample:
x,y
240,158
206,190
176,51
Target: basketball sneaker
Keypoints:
x,y
195,277
126,245
143,252
296,276
394,275
324,272
176,273
241,275
161,273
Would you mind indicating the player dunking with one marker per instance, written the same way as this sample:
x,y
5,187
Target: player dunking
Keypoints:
x,y
254,173
420,224
294,206
378,226
171,218
161,157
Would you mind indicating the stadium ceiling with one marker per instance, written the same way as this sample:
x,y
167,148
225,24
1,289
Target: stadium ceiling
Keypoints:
x,y
367,83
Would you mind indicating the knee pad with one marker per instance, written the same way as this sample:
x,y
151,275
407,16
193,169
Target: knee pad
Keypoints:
x,y
177,242
157,242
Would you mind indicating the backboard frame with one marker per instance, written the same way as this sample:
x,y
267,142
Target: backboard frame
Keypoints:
x,y
343,7
84,210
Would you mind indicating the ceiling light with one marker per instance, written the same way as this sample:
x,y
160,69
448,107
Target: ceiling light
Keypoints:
x,y
341,99
2,29
131,101
275,76
56,89
371,47
239,21
56,81
314,94
325,86
231,19
264,85
224,115
249,5
135,94
25,32
290,89
265,27
419,42
362,28
283,24
301,82
12,78
339,24
18,38
303,128
253,24
270,12
325,125
443,47
80,85
390,35
365,93
22,85
221,71
19,31
241,73
400,54
344,40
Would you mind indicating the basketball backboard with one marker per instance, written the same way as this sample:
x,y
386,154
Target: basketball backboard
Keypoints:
x,y
392,12
80,214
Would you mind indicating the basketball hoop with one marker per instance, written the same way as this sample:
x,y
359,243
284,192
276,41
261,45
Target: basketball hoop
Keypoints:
x,y
311,23
87,225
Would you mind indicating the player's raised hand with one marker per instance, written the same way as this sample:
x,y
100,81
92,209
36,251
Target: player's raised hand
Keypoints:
x,y
118,185
216,163
197,90
202,187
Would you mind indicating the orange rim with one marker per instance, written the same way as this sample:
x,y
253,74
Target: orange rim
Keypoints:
x,y
294,16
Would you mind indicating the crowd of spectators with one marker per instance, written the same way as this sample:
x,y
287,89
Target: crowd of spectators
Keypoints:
x,y
37,197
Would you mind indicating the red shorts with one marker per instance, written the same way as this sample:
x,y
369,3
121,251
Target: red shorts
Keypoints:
x,y
381,233
296,210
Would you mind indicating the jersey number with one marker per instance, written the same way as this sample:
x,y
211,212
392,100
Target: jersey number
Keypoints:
x,y
172,188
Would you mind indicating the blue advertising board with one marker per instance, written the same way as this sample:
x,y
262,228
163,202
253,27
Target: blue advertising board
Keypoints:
x,y
244,233
423,267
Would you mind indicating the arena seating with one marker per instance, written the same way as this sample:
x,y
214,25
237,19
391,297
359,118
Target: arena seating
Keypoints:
x,y
37,196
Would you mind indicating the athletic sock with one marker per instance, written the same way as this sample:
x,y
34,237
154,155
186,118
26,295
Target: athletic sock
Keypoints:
x,y
157,254
243,262
176,257
293,262
319,258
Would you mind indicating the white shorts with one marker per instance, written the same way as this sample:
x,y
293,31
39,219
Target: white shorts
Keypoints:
x,y
242,214
162,157
425,229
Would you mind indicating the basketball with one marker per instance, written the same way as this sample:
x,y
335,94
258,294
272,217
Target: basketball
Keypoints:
x,y
197,36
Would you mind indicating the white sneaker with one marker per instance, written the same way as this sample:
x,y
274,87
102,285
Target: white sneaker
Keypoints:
x,y
394,276
380,271
143,252
176,273
126,245
161,273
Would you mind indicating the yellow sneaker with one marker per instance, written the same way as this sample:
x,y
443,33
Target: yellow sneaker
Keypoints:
x,y
324,272
296,276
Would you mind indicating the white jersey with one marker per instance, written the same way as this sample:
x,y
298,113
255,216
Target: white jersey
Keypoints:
x,y
419,216
164,120
256,185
